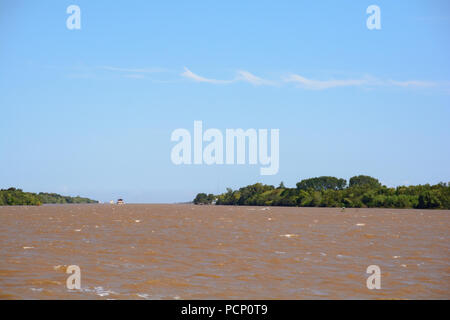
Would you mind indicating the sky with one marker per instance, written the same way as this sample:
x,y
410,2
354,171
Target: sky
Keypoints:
x,y
91,111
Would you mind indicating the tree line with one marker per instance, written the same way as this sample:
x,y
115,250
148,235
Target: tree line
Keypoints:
x,y
361,192
13,196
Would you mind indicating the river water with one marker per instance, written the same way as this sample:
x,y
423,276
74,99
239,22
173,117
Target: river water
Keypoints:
x,y
222,252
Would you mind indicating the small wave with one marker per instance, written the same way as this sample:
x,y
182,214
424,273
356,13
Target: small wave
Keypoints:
x,y
289,235
100,291
62,268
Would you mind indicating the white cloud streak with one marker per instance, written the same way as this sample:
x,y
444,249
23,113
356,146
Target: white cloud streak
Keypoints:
x,y
242,76
134,70
364,82
299,80
251,78
413,83
190,75
323,84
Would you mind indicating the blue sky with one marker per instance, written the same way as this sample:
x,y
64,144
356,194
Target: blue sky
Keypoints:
x,y
91,111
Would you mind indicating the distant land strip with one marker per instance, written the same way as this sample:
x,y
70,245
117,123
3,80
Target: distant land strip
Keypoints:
x,y
361,192
17,197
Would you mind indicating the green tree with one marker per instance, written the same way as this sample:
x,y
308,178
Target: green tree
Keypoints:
x,y
364,181
429,200
322,183
202,198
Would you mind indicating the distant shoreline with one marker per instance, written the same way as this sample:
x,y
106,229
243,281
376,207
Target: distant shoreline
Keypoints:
x,y
331,192
17,197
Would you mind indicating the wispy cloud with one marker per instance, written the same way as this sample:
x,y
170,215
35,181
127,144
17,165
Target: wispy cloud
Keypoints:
x,y
412,83
190,75
133,73
363,82
323,84
251,78
134,70
303,82
242,75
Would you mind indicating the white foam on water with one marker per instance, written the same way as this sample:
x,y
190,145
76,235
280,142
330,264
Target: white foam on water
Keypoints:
x,y
100,291
60,267
289,235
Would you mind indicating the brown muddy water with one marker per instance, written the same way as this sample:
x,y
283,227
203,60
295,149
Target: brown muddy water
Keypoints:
x,y
222,252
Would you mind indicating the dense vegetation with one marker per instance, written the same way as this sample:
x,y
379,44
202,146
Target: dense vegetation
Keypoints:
x,y
13,196
203,198
361,192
